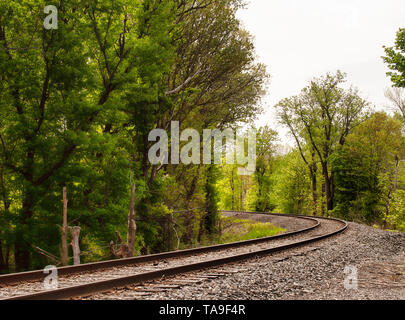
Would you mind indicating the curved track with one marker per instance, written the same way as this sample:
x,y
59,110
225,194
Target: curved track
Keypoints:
x,y
98,277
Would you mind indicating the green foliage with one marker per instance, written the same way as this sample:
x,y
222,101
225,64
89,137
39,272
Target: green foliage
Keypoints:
x,y
321,117
212,199
77,105
365,168
291,185
230,188
265,151
396,218
395,59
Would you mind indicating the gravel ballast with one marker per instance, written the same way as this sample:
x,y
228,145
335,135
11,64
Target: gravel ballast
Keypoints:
x,y
314,272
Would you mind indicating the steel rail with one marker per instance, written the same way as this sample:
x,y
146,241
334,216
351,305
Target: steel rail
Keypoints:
x,y
15,278
105,285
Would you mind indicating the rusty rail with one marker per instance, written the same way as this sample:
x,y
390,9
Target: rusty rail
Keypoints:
x,y
100,286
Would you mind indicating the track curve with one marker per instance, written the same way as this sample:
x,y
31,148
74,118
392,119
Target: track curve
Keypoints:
x,y
104,276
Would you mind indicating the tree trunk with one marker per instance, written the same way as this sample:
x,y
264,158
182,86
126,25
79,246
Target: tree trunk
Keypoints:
x,y
131,223
2,260
189,219
259,205
74,234
233,190
314,189
322,198
187,237
211,217
329,188
64,247
241,193
22,255
391,191
7,258
201,228
126,249
22,247
169,234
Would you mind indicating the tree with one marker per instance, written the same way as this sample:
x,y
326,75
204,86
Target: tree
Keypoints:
x,y
397,98
76,111
396,217
57,94
230,188
211,206
295,128
323,115
395,59
214,83
44,112
266,149
365,169
291,184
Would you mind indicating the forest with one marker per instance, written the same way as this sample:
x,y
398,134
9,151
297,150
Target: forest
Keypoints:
x,y
79,100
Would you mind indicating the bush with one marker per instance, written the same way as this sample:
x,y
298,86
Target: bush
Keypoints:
x,y
397,213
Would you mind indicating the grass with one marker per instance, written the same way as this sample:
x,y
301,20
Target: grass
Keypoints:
x,y
239,230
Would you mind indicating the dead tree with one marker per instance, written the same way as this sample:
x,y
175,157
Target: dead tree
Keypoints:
x,y
126,249
74,234
131,223
64,248
120,250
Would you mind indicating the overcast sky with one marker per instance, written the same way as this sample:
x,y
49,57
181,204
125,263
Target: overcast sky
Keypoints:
x,y
300,39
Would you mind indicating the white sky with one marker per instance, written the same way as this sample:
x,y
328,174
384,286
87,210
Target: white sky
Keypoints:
x,y
301,39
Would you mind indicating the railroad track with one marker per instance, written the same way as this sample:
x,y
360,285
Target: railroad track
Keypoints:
x,y
90,279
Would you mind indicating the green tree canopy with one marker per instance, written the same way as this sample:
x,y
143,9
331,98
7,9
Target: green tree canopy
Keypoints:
x,y
322,116
395,59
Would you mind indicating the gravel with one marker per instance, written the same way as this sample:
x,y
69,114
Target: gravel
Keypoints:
x,y
314,272
228,286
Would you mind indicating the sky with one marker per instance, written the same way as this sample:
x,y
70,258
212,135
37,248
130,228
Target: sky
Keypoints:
x,y
302,39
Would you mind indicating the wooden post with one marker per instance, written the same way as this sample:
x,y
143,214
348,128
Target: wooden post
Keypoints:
x,y
74,233
64,249
131,223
